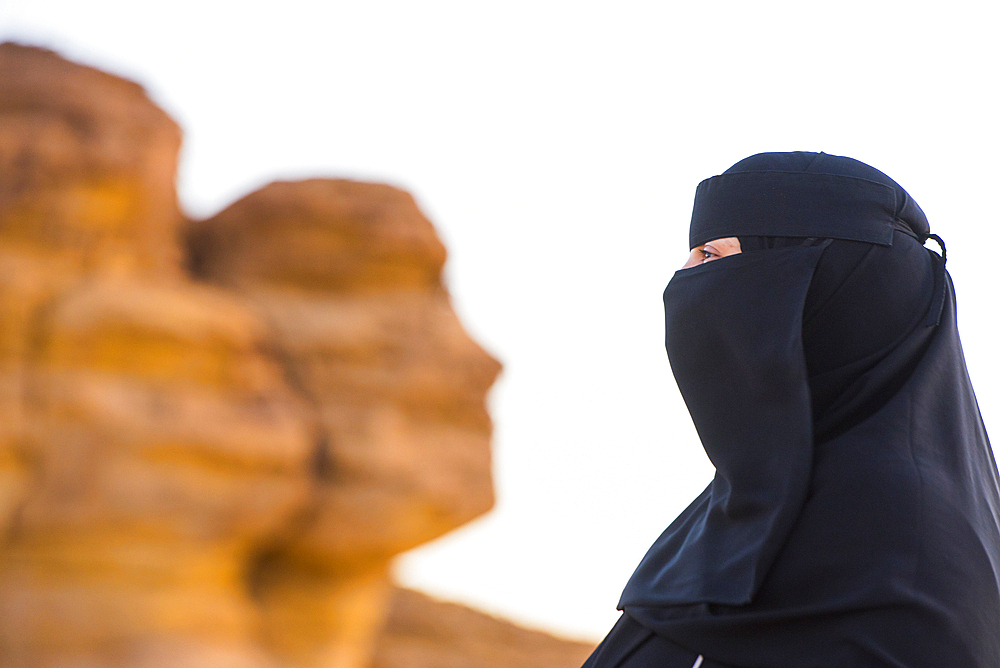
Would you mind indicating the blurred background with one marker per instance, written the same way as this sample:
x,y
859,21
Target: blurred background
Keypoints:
x,y
556,147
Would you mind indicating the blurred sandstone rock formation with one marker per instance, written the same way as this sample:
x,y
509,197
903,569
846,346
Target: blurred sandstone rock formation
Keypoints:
x,y
214,435
424,633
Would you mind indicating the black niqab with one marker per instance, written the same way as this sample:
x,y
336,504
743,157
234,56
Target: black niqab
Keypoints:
x,y
854,519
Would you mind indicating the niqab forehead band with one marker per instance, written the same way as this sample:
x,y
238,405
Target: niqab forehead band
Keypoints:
x,y
802,204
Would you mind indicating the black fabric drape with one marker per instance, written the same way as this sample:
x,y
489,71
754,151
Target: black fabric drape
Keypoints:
x,y
739,364
854,519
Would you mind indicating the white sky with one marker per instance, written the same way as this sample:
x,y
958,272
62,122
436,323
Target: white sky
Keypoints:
x,y
556,145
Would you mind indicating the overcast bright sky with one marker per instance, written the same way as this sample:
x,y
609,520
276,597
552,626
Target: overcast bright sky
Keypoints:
x,y
556,145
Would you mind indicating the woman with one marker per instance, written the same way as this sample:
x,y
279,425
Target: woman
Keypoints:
x,y
854,518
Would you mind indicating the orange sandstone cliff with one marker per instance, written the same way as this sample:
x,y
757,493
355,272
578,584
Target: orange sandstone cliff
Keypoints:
x,y
215,435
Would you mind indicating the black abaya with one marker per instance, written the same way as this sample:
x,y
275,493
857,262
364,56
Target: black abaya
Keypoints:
x,y
854,519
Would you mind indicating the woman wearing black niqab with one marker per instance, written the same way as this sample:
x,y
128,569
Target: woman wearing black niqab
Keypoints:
x,y
854,518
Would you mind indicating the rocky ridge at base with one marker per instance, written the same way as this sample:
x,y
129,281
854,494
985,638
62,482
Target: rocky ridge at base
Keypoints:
x,y
422,632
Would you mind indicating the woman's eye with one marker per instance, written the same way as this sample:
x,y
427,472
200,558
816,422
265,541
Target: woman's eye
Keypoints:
x,y
712,251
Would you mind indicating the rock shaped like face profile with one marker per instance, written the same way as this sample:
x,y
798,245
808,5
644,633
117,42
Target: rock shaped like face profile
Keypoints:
x,y
211,472
348,277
